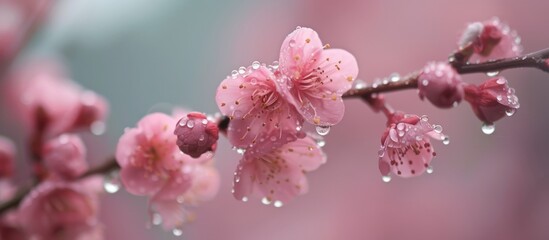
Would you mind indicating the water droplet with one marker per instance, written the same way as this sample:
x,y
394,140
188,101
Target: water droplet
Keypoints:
x,y
275,65
244,199
321,143
156,219
253,81
182,123
322,130
98,128
359,84
501,81
492,74
429,169
240,151
273,138
111,184
394,77
234,74
266,201
201,138
510,112
292,43
298,27
255,65
455,104
424,118
177,232
385,81
278,204
400,126
241,70
437,128
190,124
386,178
445,140
298,127
204,121
424,82
488,128
381,152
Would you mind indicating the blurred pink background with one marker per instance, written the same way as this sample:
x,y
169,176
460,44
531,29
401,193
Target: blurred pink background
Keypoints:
x,y
141,55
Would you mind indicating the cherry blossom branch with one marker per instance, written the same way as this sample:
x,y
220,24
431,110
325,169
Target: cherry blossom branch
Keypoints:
x,y
533,60
109,166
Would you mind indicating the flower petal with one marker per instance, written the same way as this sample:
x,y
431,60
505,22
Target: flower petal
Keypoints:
x,y
139,181
298,50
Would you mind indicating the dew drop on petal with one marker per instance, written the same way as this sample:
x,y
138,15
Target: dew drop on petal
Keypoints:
x,y
437,128
292,43
177,232
253,81
386,178
190,124
278,204
244,199
321,143
205,121
501,81
424,118
429,169
488,128
298,128
275,65
322,130
241,70
240,151
381,153
255,65
234,74
510,112
493,74
266,201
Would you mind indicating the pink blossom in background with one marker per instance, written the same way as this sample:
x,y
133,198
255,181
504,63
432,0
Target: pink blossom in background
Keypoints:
x,y
406,146
314,77
258,111
440,84
7,157
491,40
59,210
65,156
48,103
278,176
492,100
196,135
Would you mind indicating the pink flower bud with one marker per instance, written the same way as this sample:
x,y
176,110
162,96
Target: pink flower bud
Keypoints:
x,y
490,40
56,209
492,100
7,154
65,156
440,84
93,108
196,135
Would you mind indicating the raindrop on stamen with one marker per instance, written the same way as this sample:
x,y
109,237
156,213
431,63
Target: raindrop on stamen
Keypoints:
x,y
488,128
386,179
322,130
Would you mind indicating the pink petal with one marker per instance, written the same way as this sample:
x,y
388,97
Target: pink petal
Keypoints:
x,y
205,184
139,181
279,175
126,146
171,213
298,50
176,185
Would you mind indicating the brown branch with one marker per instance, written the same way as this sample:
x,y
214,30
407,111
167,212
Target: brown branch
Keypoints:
x,y
532,60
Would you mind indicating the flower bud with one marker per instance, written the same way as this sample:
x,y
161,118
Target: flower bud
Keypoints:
x,y
65,156
492,100
196,134
441,85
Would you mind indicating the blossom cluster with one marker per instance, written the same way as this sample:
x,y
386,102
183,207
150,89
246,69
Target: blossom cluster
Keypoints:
x,y
267,106
64,203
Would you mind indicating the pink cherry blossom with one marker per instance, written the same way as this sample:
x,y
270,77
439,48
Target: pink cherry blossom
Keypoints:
x,y
196,135
492,100
65,156
278,176
406,148
440,84
48,103
150,159
7,155
313,78
205,183
258,112
491,40
56,210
